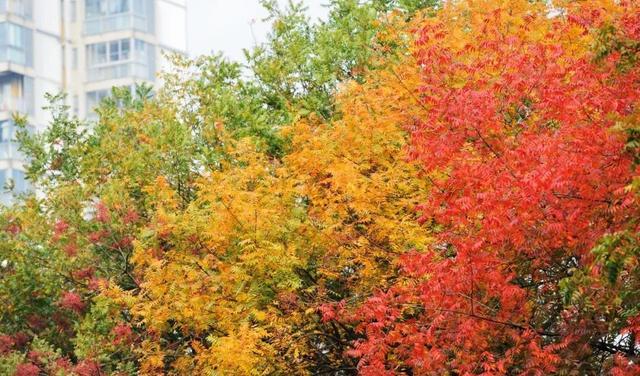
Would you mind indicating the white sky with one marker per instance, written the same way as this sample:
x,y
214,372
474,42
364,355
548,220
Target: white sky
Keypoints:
x,y
226,25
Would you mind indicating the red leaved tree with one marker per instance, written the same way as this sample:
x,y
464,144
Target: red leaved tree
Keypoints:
x,y
523,137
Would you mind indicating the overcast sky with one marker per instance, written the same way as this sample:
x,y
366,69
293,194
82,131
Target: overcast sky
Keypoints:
x,y
231,25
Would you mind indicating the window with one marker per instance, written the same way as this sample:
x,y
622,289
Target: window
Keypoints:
x,y
16,93
14,35
19,181
110,52
119,50
9,131
22,8
96,54
72,10
74,58
125,47
9,147
141,50
114,51
13,179
118,6
120,58
93,8
95,97
101,8
6,131
16,44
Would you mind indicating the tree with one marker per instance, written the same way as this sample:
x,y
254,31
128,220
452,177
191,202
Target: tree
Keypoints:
x,y
397,190
533,270
174,235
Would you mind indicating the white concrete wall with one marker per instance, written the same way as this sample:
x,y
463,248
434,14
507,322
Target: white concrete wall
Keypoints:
x,y
40,87
171,24
46,16
47,56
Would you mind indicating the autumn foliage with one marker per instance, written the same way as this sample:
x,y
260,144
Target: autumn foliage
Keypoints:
x,y
449,190
523,139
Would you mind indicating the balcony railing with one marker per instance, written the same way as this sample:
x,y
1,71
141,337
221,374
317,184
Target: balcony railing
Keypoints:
x,y
120,70
21,8
12,54
117,22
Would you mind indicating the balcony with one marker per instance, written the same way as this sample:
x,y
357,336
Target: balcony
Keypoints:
x,y
116,22
20,8
102,16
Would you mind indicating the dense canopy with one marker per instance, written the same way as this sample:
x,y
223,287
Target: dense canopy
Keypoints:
x,y
408,188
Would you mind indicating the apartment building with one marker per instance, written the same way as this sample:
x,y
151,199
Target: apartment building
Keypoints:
x,y
81,47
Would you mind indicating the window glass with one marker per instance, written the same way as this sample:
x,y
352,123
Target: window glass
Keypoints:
x,y
92,8
20,185
118,6
14,35
111,60
16,44
125,46
5,131
100,8
74,58
114,50
72,10
95,97
139,7
16,93
97,54
141,50
101,53
28,94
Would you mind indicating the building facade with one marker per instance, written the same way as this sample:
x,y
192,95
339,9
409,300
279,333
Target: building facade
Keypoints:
x,y
81,47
